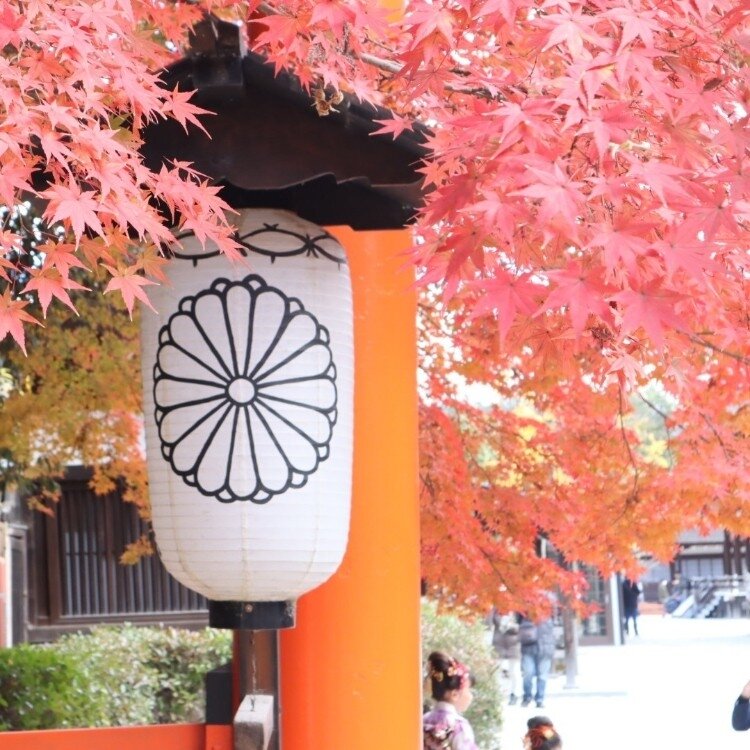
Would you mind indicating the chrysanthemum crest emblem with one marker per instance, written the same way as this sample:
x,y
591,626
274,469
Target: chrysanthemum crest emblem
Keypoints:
x,y
244,391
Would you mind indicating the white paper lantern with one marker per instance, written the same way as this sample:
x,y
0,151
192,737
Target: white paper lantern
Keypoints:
x,y
247,373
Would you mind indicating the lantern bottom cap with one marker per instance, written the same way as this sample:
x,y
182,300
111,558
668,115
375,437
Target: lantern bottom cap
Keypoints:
x,y
252,615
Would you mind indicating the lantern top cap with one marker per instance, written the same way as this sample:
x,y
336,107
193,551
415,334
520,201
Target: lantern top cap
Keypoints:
x,y
270,147
214,37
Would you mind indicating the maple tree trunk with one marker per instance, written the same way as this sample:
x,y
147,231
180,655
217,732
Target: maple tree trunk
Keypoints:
x,y
570,635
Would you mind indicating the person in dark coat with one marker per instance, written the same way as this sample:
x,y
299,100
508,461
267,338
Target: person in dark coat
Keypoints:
x,y
631,592
507,646
537,652
741,712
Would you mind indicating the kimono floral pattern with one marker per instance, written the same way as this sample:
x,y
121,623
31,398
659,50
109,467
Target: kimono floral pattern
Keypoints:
x,y
245,403
444,728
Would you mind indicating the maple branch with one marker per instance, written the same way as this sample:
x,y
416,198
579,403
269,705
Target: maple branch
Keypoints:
x,y
430,489
389,66
378,62
489,478
718,349
713,429
742,408
636,471
497,571
664,417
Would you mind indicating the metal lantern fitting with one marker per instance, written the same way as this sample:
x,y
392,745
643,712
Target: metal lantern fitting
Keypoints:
x,y
247,373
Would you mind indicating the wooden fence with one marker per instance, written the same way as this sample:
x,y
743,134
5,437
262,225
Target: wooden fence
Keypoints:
x,y
157,737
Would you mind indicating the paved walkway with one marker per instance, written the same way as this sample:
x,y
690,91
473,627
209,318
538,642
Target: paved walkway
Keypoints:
x,y
671,688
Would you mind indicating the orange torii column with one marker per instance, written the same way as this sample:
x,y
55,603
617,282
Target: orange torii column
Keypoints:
x,y
351,668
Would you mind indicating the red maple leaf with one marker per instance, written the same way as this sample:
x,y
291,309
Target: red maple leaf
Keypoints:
x,y
60,255
507,295
581,292
130,284
559,196
10,23
74,207
12,318
179,107
49,283
652,307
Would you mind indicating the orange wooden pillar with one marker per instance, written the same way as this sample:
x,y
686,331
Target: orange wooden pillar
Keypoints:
x,y
350,670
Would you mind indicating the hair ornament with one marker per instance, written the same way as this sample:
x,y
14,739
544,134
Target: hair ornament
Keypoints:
x,y
453,671
539,735
459,670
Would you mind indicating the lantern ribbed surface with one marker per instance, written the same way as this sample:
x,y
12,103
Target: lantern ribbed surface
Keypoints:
x,y
248,371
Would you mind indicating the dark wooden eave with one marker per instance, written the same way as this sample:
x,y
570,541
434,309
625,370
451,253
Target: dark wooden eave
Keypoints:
x,y
270,148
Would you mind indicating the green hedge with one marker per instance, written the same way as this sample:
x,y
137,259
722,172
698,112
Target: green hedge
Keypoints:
x,y
114,676
42,689
123,675
466,640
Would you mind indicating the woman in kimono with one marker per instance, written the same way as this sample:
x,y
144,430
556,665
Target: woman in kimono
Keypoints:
x,y
444,727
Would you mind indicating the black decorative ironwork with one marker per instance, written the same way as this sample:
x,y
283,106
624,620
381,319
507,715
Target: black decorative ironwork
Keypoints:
x,y
244,391
296,243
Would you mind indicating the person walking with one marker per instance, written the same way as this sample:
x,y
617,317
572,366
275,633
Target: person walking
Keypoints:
x,y
631,593
444,727
741,711
507,646
537,651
